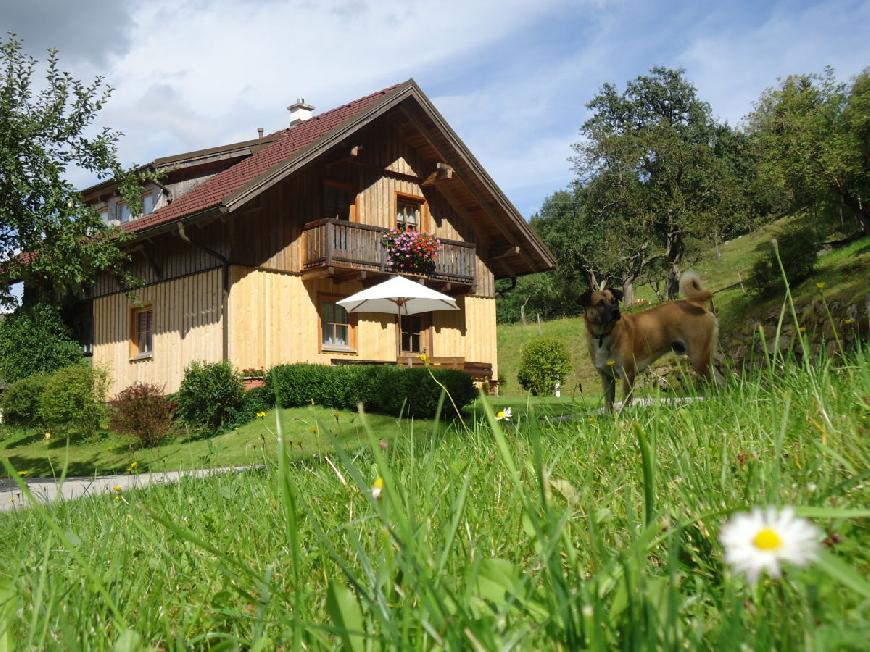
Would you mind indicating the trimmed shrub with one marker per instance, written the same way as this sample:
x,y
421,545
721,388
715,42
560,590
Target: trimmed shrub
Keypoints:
x,y
35,340
210,395
257,399
383,389
142,411
22,399
544,363
74,399
798,247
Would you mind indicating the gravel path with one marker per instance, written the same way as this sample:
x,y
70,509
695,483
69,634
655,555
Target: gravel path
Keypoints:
x,y
47,490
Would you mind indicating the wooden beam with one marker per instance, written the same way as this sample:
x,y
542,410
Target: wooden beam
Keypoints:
x,y
442,172
510,252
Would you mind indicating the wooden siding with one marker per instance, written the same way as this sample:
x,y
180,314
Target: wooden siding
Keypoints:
x,y
187,326
274,320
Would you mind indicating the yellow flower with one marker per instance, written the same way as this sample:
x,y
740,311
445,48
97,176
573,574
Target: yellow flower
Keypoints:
x,y
24,473
377,487
505,414
423,358
46,435
611,363
261,414
803,329
117,488
133,465
849,321
820,285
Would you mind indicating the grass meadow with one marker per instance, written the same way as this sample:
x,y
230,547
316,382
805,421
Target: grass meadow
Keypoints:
x,y
593,532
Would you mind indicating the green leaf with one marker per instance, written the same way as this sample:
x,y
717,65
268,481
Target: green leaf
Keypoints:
x,y
496,579
346,615
831,512
128,641
8,608
842,572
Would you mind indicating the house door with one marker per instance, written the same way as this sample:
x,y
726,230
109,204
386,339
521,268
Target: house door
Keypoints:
x,y
416,334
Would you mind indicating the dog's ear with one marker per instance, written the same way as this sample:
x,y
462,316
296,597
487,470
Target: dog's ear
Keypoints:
x,y
617,294
585,299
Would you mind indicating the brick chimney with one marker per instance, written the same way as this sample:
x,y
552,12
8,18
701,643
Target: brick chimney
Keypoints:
x,y
299,111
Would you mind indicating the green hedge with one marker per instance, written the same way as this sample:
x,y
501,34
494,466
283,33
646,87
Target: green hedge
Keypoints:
x,y
383,389
22,401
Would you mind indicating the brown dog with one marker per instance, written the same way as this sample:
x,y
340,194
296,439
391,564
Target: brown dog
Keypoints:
x,y
623,345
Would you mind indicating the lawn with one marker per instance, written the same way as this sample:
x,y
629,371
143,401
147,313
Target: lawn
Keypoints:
x,y
599,532
108,453
253,443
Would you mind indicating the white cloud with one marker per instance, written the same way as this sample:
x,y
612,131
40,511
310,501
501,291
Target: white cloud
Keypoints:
x,y
731,68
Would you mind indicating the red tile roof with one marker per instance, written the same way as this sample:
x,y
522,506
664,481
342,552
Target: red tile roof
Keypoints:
x,y
215,190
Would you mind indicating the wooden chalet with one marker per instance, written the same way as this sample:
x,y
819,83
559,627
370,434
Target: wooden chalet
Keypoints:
x,y
244,249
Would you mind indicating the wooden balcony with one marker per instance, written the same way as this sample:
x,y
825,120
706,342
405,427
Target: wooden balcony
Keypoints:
x,y
335,247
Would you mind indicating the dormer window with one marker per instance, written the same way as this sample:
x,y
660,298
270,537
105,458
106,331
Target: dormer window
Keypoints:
x,y
148,201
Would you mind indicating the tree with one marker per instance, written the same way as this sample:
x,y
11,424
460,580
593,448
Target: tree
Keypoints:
x,y
35,340
814,137
48,237
650,159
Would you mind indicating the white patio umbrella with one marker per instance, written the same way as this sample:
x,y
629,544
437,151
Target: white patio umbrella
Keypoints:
x,y
398,296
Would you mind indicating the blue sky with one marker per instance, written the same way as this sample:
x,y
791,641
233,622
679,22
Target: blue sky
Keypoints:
x,y
512,77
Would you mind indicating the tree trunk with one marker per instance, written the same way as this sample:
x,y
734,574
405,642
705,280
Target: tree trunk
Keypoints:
x,y
628,291
673,281
523,311
674,255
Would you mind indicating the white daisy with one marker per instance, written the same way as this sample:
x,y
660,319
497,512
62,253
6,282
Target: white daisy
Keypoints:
x,y
377,487
504,414
759,541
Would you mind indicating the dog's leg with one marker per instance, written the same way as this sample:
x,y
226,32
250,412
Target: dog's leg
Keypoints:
x,y
628,375
608,383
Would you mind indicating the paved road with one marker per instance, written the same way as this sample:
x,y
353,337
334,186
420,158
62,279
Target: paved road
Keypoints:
x,y
47,489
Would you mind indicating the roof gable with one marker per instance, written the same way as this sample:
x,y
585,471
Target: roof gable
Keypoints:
x,y
296,146
234,181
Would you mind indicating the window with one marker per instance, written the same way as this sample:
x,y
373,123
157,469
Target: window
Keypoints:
x,y
104,215
147,204
335,328
123,212
409,213
414,329
141,336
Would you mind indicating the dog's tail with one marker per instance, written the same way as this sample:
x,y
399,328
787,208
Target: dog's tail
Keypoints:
x,y
691,288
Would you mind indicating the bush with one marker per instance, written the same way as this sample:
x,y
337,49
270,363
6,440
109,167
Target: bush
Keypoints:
x,y
798,246
22,399
383,389
74,399
258,399
35,340
544,363
210,395
141,410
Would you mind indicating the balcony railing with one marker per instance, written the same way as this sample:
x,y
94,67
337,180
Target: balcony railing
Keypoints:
x,y
339,243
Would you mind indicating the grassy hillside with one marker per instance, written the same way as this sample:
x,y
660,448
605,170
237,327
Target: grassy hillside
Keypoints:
x,y
253,443
845,272
596,533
